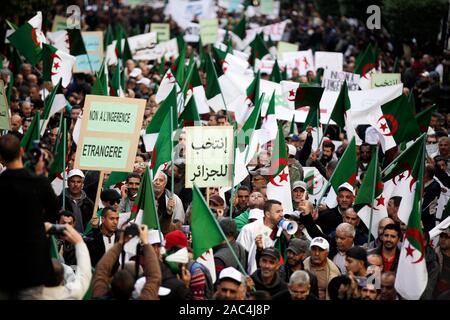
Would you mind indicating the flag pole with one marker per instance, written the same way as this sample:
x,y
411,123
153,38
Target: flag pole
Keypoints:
x,y
329,181
223,235
154,201
324,131
64,133
172,176
259,102
234,171
90,65
373,193
99,190
221,93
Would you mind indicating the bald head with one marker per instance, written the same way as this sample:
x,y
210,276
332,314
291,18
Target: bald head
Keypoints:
x,y
16,122
383,223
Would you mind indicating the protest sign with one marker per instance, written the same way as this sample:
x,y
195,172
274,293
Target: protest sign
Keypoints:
x,y
286,47
162,30
208,30
328,60
192,32
109,133
59,23
385,79
266,6
183,11
209,156
333,80
302,60
93,41
142,47
4,110
275,31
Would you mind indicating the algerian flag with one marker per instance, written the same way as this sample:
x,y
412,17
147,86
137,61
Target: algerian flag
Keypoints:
x,y
412,276
28,39
276,76
229,62
346,171
59,162
404,172
114,178
394,121
309,96
423,118
269,126
244,104
206,232
315,183
365,65
190,116
239,29
293,127
33,132
69,41
54,103
57,65
166,86
195,88
289,88
279,186
249,133
259,49
370,196
144,208
213,92
100,86
151,132
162,152
117,81
341,113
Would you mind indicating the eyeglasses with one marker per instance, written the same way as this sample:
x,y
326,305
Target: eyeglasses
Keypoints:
x,y
431,142
114,201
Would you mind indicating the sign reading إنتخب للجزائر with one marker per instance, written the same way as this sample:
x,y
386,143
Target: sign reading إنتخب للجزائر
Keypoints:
x,y
209,156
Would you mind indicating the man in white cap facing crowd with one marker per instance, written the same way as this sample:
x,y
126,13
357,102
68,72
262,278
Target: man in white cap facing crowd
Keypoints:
x,y
76,200
230,285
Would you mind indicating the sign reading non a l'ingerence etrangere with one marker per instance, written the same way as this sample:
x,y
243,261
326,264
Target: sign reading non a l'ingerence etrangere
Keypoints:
x,y
109,133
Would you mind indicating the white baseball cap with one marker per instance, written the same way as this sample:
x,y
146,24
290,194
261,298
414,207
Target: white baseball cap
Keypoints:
x,y
154,237
145,81
135,72
320,242
231,273
292,150
75,172
347,186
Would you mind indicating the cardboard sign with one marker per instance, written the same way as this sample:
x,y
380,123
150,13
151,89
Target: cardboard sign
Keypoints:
x,y
209,156
333,80
209,30
385,79
192,32
162,30
302,60
266,6
328,60
4,109
93,41
286,47
109,133
59,23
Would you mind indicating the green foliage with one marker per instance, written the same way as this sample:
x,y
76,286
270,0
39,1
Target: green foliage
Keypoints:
x,y
418,19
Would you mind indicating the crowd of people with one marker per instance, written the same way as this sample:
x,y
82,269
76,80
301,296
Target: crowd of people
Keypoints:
x,y
105,256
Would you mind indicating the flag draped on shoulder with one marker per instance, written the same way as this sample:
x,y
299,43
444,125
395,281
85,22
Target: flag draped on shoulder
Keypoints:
x,y
412,275
206,232
279,185
28,39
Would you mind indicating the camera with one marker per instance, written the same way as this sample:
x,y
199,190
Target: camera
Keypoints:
x,y
132,230
57,229
37,150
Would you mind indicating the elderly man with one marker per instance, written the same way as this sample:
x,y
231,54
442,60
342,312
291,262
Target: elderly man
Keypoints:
x,y
299,288
322,267
76,200
170,207
361,232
